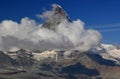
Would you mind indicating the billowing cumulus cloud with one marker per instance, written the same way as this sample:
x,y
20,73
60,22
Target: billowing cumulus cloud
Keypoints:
x,y
29,35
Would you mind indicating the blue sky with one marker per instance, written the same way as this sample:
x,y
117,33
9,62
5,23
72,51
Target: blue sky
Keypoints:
x,y
103,15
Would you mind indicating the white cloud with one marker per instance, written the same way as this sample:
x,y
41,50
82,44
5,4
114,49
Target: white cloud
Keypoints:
x,y
29,35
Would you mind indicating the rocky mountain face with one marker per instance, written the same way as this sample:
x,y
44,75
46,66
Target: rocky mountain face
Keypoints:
x,y
102,62
58,15
6,61
52,64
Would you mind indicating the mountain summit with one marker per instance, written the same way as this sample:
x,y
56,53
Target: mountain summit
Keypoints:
x,y
58,15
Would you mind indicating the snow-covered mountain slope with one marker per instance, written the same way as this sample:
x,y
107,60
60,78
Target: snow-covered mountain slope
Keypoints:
x,y
106,51
38,56
109,52
45,54
112,50
100,60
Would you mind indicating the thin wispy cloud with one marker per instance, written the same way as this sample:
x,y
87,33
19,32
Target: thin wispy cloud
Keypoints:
x,y
110,30
107,27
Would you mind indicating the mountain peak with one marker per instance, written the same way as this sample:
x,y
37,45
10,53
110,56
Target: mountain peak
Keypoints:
x,y
57,8
58,16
